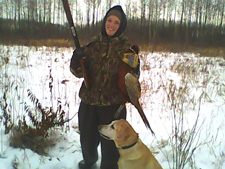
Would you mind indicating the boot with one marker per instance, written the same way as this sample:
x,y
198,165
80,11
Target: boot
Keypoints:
x,y
83,165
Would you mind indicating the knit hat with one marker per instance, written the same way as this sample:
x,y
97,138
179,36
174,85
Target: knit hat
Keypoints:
x,y
117,11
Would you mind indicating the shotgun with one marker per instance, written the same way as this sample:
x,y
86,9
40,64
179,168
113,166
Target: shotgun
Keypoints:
x,y
75,38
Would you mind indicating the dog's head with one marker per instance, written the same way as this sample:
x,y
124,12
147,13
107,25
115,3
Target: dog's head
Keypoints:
x,y
120,131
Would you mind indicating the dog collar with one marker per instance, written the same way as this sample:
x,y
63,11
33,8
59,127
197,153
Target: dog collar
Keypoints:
x,y
127,147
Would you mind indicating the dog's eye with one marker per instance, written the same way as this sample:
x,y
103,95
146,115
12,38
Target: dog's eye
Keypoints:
x,y
112,126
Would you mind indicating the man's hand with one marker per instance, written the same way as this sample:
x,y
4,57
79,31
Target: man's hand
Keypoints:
x,y
75,65
78,53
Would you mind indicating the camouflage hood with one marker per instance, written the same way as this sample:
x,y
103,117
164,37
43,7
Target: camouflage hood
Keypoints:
x,y
123,23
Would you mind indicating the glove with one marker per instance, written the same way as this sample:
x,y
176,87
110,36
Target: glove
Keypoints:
x,y
135,48
78,53
130,57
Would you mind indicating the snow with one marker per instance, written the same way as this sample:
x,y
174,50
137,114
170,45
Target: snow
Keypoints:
x,y
174,86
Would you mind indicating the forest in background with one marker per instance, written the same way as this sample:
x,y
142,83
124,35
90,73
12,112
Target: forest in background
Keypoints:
x,y
184,22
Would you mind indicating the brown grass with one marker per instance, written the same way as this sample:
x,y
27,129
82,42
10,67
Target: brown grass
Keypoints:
x,y
39,42
163,47
203,51
40,145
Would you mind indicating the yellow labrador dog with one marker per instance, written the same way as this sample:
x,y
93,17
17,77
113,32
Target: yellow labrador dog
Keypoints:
x,y
133,153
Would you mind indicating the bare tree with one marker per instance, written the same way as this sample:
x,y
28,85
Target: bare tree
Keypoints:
x,y
49,11
143,12
207,9
98,11
221,12
1,9
128,8
134,11
150,14
190,5
88,9
182,12
75,8
163,5
156,13
189,19
59,12
153,17
170,8
109,3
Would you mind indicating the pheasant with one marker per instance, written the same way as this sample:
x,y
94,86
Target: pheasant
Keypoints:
x,y
130,90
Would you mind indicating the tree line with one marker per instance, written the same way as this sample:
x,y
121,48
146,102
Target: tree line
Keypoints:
x,y
149,21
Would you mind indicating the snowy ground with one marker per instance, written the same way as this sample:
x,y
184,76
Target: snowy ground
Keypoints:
x,y
177,90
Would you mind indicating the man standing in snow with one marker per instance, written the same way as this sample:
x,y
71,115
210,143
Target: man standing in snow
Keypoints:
x,y
100,101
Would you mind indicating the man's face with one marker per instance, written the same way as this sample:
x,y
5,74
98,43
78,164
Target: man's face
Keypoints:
x,y
112,25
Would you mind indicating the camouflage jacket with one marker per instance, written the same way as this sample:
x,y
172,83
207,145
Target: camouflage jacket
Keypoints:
x,y
103,57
